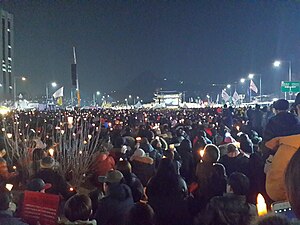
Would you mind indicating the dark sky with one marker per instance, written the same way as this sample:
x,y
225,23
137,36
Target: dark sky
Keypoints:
x,y
199,42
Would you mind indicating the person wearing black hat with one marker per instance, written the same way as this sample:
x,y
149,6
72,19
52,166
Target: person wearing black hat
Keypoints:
x,y
283,123
117,201
49,175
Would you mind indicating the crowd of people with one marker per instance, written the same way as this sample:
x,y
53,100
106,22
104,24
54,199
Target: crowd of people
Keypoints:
x,y
159,167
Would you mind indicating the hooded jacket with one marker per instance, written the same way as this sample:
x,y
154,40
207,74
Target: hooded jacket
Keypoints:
x,y
285,148
282,124
113,207
143,167
229,209
102,164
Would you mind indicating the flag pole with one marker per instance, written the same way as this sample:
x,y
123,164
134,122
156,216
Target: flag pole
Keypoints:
x,y
250,92
77,81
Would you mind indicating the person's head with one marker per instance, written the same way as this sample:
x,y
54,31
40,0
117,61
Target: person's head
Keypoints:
x,y
78,207
38,185
238,183
186,145
211,153
47,163
5,198
112,178
297,104
292,182
123,166
165,167
119,142
280,105
140,214
232,148
38,154
169,154
271,219
156,143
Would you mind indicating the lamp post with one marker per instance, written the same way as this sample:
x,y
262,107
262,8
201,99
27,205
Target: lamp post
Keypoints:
x,y
53,84
15,86
277,63
94,97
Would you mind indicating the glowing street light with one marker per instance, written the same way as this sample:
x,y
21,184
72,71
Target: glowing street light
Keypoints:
x,y
276,63
228,86
15,86
53,85
251,76
242,80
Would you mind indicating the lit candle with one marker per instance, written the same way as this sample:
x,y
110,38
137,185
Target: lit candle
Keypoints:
x,y
9,186
14,168
201,152
238,128
51,152
171,146
261,205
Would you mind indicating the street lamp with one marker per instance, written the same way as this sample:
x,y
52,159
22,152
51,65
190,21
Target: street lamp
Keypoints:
x,y
53,84
277,64
242,80
228,86
94,97
15,86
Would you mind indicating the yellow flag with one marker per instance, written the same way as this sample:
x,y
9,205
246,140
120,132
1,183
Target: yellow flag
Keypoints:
x,y
59,101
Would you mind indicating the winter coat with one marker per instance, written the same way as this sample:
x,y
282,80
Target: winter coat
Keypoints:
x,y
78,222
282,124
143,168
4,174
285,147
135,185
6,218
166,196
240,163
59,184
113,208
102,164
229,209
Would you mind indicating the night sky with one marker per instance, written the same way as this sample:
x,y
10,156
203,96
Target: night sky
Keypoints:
x,y
131,46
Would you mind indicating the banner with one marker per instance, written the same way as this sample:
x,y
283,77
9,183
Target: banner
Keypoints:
x,y
225,96
59,93
235,96
253,86
40,207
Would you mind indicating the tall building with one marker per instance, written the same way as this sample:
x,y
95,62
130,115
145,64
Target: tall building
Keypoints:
x,y
6,54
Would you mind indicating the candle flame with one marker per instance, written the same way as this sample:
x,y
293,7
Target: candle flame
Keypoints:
x,y
51,152
201,152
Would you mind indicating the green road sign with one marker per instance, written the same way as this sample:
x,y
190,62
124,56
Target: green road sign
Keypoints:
x,y
290,86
